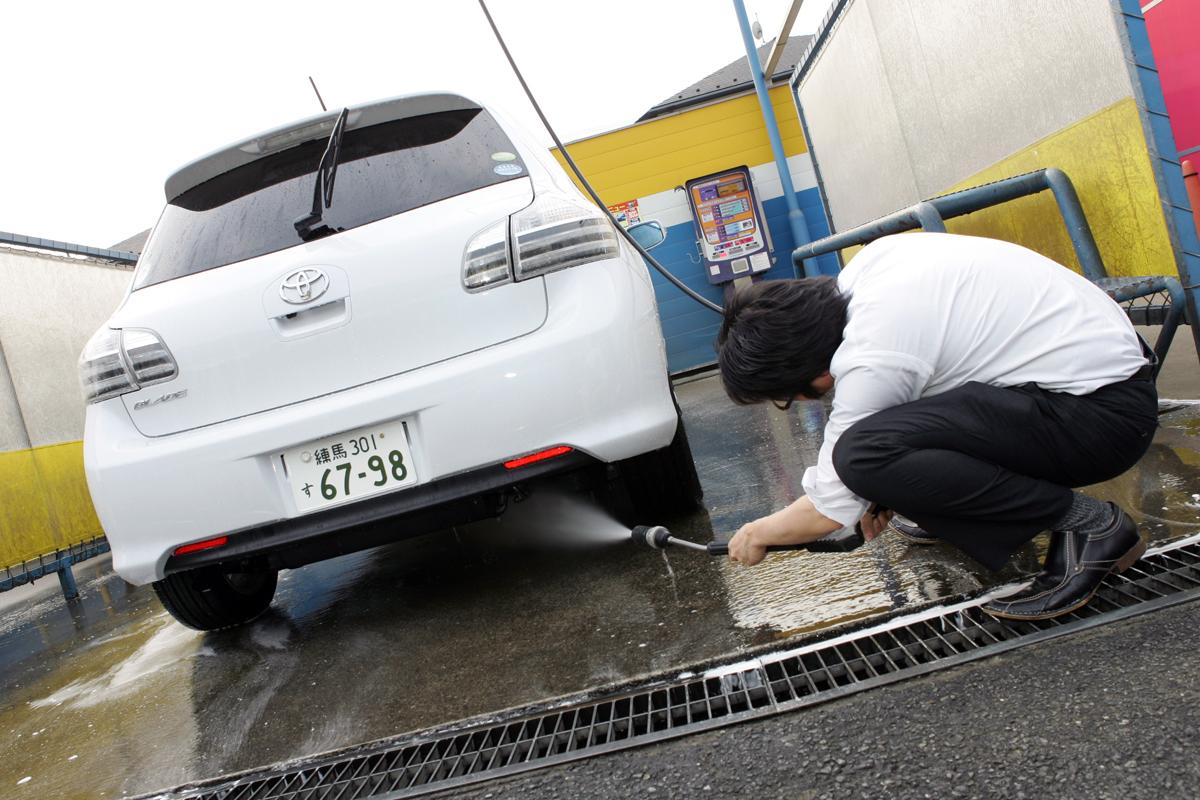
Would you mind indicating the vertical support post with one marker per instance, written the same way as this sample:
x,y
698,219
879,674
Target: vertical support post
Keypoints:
x,y
66,579
1077,224
796,221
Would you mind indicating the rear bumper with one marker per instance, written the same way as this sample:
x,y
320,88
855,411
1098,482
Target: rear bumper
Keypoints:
x,y
345,529
593,377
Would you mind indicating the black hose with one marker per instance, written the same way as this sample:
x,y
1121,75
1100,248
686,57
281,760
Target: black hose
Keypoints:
x,y
683,287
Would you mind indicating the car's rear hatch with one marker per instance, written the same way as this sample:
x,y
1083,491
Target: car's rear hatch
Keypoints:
x,y
256,319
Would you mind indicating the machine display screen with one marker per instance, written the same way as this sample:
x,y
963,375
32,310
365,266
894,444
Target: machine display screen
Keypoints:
x,y
725,209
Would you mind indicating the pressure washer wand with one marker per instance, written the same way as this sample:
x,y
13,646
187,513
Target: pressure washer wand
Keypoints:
x,y
660,538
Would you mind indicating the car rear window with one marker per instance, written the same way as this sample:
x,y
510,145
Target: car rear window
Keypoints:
x,y
383,170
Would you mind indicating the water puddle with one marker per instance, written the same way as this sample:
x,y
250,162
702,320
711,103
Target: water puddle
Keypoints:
x,y
170,644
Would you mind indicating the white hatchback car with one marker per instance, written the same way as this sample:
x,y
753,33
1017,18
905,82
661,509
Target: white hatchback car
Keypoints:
x,y
299,372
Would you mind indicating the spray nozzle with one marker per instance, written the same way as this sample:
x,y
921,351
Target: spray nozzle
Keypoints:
x,y
655,536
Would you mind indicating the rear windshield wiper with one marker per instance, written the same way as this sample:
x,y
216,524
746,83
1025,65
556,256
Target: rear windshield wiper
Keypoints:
x,y
312,226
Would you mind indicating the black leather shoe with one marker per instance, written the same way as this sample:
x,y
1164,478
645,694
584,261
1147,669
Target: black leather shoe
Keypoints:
x,y
1075,565
911,532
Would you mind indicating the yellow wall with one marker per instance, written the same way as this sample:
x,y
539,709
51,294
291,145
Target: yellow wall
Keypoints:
x,y
660,154
44,502
1107,159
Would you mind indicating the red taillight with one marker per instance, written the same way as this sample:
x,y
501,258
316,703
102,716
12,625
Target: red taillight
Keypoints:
x,y
207,544
533,458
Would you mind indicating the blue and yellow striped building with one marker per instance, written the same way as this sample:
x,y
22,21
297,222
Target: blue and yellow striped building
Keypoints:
x,y
715,125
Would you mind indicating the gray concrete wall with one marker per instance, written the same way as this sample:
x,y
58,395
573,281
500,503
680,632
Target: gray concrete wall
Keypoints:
x,y
910,97
49,306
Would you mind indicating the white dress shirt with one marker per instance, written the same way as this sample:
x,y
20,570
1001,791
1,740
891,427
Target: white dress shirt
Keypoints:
x,y
930,312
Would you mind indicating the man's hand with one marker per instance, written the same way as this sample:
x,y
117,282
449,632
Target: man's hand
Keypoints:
x,y
798,523
873,522
742,547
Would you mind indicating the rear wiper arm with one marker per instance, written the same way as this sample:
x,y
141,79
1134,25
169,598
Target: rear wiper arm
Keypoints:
x,y
312,225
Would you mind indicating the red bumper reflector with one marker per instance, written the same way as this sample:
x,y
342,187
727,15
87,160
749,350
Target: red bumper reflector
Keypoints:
x,y
535,457
207,544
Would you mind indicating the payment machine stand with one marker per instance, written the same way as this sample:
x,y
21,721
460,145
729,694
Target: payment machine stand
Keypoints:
x,y
731,228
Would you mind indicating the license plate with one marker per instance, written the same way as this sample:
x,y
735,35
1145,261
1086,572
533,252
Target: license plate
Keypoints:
x,y
350,466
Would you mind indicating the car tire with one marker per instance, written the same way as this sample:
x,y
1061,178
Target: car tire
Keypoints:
x,y
663,483
209,598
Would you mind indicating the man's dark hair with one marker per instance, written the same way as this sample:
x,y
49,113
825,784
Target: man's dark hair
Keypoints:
x,y
778,337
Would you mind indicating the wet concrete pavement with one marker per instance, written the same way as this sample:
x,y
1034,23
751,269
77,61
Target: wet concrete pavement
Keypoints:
x,y
110,696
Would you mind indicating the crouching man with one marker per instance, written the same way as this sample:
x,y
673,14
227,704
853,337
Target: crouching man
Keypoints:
x,y
975,382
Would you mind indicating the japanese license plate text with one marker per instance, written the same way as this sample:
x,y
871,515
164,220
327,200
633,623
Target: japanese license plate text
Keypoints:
x,y
349,466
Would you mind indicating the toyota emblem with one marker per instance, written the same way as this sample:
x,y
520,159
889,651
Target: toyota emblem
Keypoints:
x,y
304,286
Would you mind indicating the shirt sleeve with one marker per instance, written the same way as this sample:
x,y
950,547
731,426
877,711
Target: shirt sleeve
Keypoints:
x,y
875,381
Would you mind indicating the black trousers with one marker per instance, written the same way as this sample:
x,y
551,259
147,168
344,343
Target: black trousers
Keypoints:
x,y
988,468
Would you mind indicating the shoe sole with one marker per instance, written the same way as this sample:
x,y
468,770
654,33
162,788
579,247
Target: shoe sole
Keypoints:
x,y
1123,563
912,539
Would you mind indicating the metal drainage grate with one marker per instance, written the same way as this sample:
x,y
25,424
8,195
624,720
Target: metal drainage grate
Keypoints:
x,y
894,650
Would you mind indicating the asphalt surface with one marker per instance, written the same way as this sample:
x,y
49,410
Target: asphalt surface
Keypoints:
x,y
1108,713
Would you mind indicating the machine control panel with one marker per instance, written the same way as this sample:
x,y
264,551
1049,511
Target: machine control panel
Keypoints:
x,y
733,236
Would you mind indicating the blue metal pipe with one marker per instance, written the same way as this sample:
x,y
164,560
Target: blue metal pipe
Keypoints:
x,y
796,219
1122,290
977,198
66,579
929,214
1077,224
922,215
1171,324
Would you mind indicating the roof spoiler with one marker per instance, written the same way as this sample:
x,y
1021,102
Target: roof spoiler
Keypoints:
x,y
316,127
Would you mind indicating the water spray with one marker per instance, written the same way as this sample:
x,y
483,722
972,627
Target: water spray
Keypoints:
x,y
659,538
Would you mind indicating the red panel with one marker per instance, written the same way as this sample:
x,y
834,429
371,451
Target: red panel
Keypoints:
x,y
1174,27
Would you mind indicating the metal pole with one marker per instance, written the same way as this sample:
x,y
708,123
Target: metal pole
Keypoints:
x,y
796,219
318,93
923,215
1077,225
66,578
782,39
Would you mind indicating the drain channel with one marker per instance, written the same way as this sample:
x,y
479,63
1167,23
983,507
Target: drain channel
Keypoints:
x,y
900,648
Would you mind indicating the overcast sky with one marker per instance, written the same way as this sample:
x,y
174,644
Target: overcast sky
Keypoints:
x,y
101,101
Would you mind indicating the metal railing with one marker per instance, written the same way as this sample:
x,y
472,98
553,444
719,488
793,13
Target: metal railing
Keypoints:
x,y
116,256
931,214
1167,308
59,562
